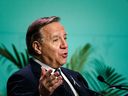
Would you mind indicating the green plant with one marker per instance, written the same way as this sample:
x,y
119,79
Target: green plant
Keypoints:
x,y
79,58
110,75
77,63
96,68
19,59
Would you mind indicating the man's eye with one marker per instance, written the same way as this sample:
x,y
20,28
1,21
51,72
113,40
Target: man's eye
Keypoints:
x,y
55,40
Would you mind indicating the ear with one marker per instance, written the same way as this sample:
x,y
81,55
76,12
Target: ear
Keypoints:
x,y
37,47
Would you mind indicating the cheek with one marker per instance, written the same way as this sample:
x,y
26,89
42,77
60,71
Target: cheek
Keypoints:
x,y
51,50
55,52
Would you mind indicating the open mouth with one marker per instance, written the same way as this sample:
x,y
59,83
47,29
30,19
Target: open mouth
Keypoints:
x,y
65,55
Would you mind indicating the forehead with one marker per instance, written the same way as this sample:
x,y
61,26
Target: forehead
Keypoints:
x,y
53,28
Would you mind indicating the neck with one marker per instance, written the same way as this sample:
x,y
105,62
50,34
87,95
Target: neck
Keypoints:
x,y
47,62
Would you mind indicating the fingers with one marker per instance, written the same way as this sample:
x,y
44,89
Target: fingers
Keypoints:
x,y
56,83
50,81
46,73
53,80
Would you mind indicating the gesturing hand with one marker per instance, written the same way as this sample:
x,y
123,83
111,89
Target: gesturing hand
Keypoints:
x,y
49,82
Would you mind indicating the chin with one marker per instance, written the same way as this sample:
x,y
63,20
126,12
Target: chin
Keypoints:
x,y
62,63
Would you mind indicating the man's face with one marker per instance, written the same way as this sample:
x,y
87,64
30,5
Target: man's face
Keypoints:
x,y
54,47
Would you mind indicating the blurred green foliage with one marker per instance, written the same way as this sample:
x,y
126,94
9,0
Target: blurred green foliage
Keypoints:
x,y
77,63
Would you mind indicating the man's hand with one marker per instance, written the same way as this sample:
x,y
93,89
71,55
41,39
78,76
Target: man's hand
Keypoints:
x,y
49,82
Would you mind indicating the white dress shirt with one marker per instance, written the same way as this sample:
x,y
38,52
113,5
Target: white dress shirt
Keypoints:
x,y
53,70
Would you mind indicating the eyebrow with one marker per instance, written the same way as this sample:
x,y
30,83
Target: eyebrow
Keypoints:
x,y
56,36
65,34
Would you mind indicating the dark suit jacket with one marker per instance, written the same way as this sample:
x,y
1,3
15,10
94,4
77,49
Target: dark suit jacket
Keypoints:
x,y
25,82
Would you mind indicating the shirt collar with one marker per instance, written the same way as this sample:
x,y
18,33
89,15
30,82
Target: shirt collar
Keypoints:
x,y
44,65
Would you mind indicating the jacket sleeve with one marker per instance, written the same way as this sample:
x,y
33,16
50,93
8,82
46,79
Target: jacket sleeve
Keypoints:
x,y
18,85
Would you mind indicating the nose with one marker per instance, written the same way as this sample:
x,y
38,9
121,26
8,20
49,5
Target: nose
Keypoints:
x,y
64,44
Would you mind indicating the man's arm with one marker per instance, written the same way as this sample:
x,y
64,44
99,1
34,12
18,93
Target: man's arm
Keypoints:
x,y
18,85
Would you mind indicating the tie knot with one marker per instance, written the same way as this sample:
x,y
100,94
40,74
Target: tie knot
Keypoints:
x,y
58,70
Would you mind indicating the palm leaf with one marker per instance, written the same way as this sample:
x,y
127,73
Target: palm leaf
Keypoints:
x,y
77,64
110,75
19,59
24,58
96,68
17,55
5,53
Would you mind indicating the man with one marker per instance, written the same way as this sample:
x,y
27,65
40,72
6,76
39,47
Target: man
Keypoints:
x,y
44,76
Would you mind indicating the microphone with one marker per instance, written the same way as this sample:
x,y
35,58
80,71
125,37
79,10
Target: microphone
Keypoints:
x,y
100,78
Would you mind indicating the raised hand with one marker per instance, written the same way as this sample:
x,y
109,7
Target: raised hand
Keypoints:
x,y
49,82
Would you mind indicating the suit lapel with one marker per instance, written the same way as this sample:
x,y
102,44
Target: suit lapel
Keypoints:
x,y
70,77
74,80
36,68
